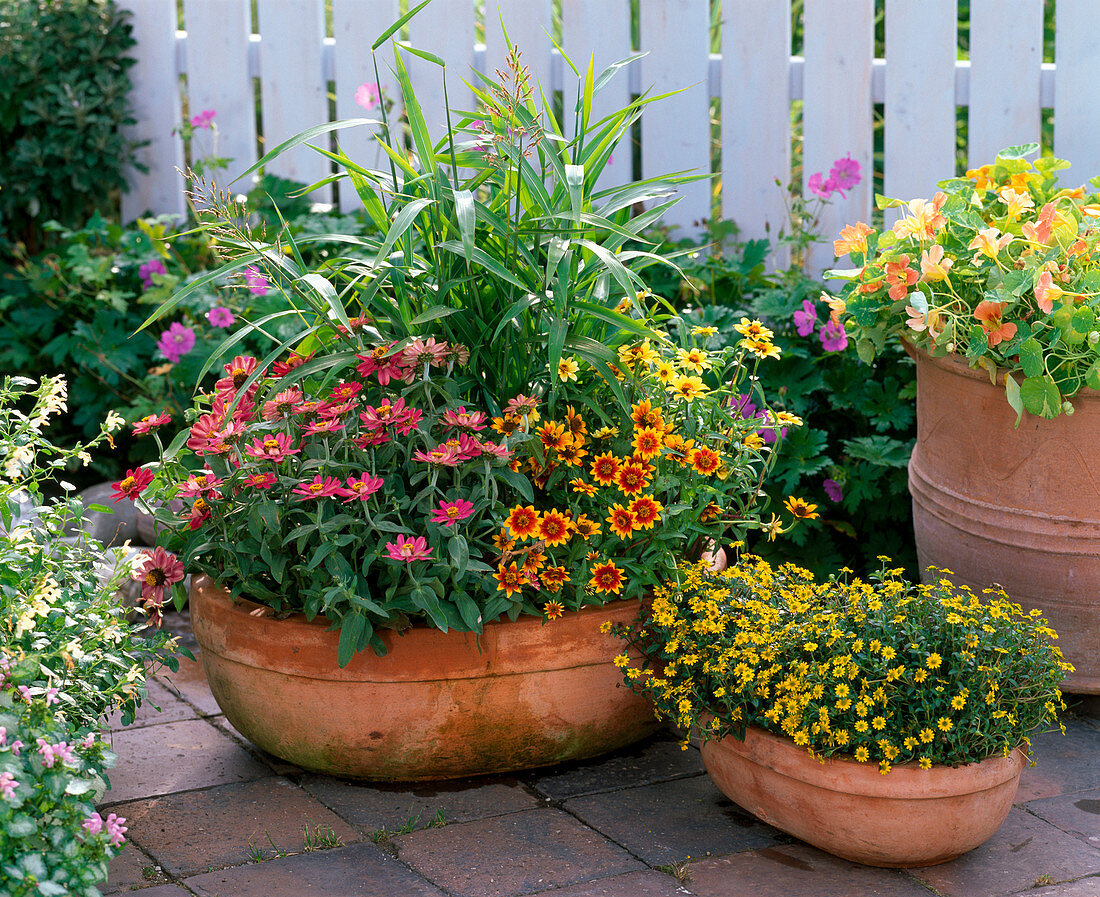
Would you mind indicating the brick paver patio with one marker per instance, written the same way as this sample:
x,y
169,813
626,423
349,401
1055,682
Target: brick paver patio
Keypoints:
x,y
211,815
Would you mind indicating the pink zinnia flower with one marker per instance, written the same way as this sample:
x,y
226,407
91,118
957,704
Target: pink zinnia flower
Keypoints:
x,y
321,487
522,406
176,342
261,480
156,570
283,405
294,360
236,372
409,550
325,427
465,420
312,406
132,485
450,512
496,450
150,422
274,447
445,455
368,95
427,351
204,119
345,392
200,483
257,283
221,317
362,487
806,319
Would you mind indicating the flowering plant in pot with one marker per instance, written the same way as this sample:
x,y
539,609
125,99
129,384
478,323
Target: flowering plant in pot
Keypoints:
x,y
889,705
994,283
998,269
624,494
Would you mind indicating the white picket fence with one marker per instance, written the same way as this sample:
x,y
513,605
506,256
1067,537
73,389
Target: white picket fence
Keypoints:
x,y
1004,84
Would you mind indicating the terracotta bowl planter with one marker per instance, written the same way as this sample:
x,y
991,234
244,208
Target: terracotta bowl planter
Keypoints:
x,y
1017,507
909,817
434,707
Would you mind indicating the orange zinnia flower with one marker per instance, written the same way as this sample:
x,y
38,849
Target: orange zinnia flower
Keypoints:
x,y
632,478
645,415
554,528
646,511
607,577
989,313
622,522
553,609
552,435
647,442
605,468
571,452
523,522
585,528
511,579
581,486
704,460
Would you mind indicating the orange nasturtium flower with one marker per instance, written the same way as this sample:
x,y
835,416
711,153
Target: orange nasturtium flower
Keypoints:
x,y
1046,292
853,238
900,277
989,313
933,266
989,242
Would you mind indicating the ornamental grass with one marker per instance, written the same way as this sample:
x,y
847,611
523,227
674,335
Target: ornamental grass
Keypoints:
x,y
882,670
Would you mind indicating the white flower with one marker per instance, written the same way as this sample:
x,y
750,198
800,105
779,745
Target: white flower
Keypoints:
x,y
113,422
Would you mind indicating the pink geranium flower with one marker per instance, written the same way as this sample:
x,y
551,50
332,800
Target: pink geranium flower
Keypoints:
x,y
368,95
822,190
220,317
321,487
451,512
833,338
204,119
176,342
256,282
147,269
833,489
845,174
409,549
806,319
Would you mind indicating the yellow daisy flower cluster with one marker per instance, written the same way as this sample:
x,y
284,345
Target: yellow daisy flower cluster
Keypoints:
x,y
880,670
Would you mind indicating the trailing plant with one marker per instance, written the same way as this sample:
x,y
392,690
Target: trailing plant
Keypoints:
x,y
880,670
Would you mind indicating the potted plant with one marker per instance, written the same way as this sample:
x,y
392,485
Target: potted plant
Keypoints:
x,y
358,493
993,285
883,722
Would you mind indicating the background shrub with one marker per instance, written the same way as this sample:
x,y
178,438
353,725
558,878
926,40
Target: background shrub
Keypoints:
x,y
66,94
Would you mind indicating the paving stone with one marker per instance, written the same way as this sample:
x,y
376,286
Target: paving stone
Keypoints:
x,y
163,891
632,884
374,807
1077,813
172,709
188,833
1063,763
796,870
190,683
1024,849
132,869
361,870
178,756
521,853
657,759
672,821
1083,887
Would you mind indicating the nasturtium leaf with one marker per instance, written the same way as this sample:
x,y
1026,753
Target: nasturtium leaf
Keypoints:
x,y
1012,392
1041,396
1031,357
1084,319
1092,377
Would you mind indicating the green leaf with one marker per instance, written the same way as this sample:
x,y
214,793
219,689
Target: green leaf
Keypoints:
x,y
1019,151
1041,397
352,627
460,555
1012,392
397,26
1031,357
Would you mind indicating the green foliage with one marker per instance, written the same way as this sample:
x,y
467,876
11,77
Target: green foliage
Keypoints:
x,y
880,670
64,66
860,423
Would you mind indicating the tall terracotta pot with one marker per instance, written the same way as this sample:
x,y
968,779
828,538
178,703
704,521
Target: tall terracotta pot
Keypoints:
x,y
1016,507
906,818
437,706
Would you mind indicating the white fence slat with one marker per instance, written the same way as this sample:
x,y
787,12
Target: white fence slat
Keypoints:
x,y
919,117
756,116
528,23
218,79
293,91
356,24
155,100
1076,100
837,110
676,130
1006,56
599,31
445,28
